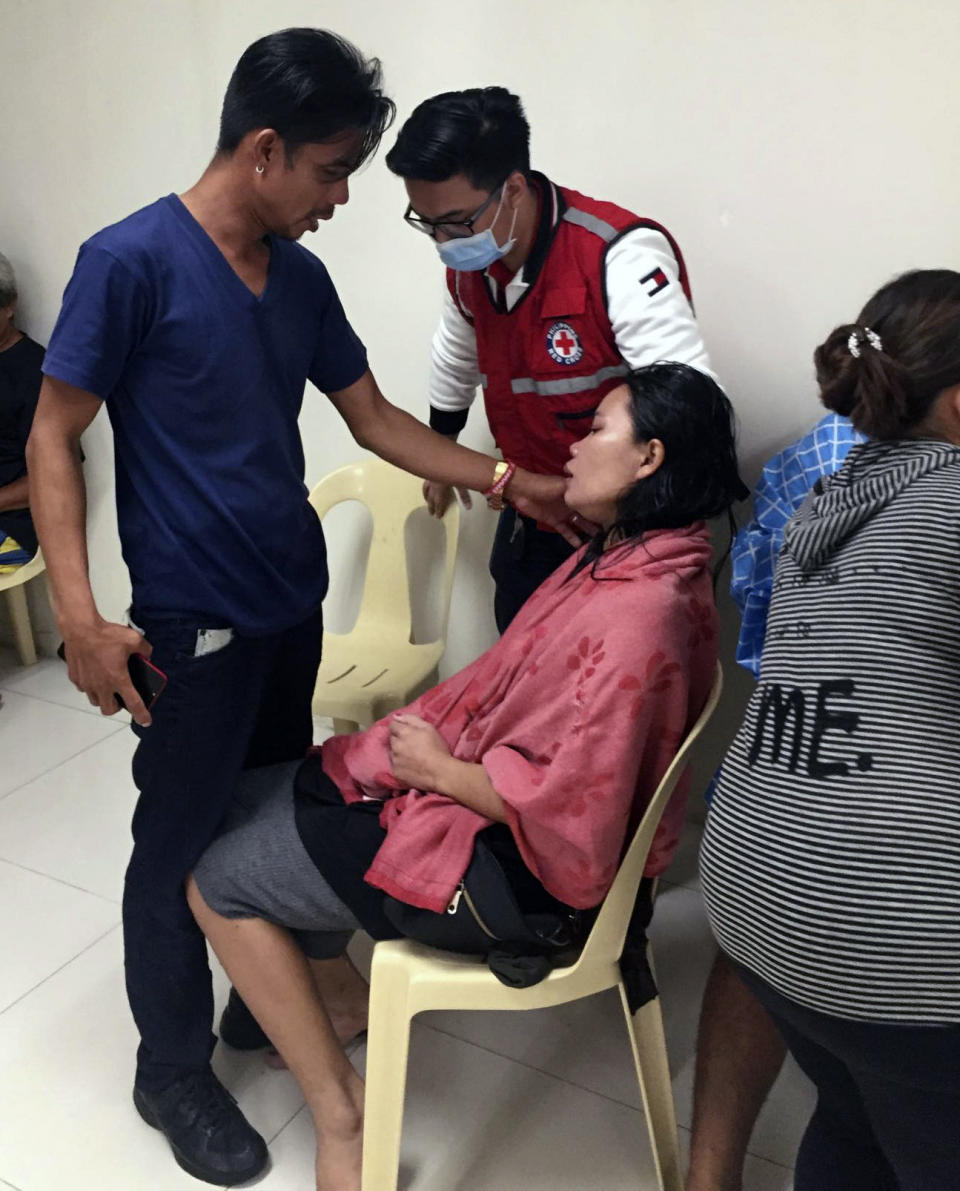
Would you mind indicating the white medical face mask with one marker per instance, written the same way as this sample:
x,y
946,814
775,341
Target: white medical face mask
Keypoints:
x,y
470,254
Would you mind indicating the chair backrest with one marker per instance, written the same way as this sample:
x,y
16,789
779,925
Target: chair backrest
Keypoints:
x,y
605,941
392,496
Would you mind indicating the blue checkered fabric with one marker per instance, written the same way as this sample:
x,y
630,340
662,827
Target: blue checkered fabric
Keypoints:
x,y
785,481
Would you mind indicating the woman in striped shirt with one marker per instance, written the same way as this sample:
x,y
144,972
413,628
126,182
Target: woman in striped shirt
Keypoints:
x,y
831,859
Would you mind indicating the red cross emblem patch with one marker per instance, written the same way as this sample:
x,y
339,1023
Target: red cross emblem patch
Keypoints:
x,y
563,344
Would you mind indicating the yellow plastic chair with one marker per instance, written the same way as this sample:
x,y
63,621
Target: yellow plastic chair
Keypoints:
x,y
407,979
376,668
13,584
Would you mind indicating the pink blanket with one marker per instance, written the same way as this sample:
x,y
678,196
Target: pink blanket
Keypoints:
x,y
575,714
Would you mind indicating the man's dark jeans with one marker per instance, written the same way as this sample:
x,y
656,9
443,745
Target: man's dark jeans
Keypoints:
x,y
245,705
522,557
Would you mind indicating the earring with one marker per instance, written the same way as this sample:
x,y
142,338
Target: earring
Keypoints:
x,y
259,169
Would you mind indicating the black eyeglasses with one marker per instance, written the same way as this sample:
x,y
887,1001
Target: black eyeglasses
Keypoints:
x,y
454,228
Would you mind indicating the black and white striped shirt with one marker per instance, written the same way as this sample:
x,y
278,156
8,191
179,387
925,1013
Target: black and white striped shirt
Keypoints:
x,y
831,859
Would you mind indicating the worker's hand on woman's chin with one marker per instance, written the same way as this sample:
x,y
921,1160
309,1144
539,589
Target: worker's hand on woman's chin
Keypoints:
x,y
539,490
569,524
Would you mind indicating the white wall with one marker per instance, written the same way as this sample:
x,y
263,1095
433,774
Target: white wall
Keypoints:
x,y
801,153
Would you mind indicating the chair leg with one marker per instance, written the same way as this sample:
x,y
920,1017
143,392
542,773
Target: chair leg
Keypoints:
x,y
653,1072
388,1044
22,632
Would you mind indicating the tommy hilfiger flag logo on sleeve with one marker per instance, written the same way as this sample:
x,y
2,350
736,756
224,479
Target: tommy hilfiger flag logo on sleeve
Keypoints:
x,y
657,280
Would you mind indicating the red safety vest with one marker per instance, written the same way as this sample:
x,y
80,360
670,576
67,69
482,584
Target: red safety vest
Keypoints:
x,y
546,364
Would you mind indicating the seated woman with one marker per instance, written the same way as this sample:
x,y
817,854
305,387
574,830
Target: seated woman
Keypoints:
x,y
831,859
550,744
20,375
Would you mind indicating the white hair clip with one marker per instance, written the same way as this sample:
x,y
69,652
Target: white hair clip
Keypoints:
x,y
853,343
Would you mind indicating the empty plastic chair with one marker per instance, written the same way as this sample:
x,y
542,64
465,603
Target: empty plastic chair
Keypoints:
x,y
376,668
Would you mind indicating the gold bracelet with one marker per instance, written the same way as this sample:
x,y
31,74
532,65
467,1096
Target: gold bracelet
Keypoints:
x,y
503,473
499,471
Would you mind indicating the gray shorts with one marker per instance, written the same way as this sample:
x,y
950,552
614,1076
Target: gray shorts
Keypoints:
x,y
258,867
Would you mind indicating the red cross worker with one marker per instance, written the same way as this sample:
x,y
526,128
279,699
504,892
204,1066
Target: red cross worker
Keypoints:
x,y
551,297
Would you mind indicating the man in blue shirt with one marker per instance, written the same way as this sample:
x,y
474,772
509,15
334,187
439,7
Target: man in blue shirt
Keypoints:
x,y
197,322
739,1050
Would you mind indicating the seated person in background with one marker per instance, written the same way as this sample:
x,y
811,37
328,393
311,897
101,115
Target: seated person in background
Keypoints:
x,y
555,739
739,1049
831,858
20,377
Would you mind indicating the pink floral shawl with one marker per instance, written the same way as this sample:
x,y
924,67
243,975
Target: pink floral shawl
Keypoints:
x,y
575,714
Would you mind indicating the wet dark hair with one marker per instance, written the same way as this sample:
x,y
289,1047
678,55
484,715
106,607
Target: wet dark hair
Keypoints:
x,y
887,391
690,414
481,133
308,85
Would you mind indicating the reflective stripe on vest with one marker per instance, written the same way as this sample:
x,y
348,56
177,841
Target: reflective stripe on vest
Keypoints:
x,y
599,227
576,384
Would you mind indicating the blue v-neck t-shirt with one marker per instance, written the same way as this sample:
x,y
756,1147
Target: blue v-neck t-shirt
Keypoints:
x,y
203,382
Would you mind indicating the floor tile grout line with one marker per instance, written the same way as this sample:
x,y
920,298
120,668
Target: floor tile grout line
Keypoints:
x,y
57,971
771,1161
274,1136
270,1140
66,760
11,690
91,712
112,901
533,1067
303,1108
680,1128
573,1084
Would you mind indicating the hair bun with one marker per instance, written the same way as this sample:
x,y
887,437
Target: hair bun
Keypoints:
x,y
860,381
837,370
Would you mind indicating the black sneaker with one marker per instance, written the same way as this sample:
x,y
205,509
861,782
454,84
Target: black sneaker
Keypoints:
x,y
209,1135
239,1028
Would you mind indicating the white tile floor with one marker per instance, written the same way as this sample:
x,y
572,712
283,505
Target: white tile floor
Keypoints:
x,y
495,1101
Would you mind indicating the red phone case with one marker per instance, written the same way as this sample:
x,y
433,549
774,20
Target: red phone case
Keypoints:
x,y
148,680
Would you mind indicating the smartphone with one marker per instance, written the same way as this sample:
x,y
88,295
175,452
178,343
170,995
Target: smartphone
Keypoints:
x,y
148,680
